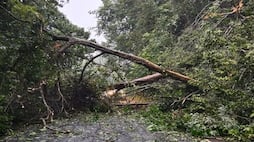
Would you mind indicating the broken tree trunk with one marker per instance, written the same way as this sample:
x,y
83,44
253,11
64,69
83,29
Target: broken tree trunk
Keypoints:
x,y
136,59
139,81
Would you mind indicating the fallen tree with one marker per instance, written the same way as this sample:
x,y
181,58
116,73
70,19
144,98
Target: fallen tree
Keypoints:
x,y
136,59
139,81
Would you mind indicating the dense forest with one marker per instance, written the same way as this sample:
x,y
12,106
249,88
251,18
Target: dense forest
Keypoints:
x,y
195,58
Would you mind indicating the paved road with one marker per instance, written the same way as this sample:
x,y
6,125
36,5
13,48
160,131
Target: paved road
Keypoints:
x,y
114,128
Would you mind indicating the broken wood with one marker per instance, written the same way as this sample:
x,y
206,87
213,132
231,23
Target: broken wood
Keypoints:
x,y
50,111
139,81
136,59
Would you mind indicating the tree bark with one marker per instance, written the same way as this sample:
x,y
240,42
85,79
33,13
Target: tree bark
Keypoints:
x,y
136,59
139,81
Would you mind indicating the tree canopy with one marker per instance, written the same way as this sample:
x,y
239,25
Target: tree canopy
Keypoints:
x,y
28,54
210,43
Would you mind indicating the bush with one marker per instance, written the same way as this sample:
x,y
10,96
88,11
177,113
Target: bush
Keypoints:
x,y
5,119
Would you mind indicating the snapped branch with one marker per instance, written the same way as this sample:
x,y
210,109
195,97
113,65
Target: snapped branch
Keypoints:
x,y
136,59
139,81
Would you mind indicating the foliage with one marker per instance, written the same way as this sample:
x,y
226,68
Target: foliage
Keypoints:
x,y
209,40
198,124
206,40
4,118
28,57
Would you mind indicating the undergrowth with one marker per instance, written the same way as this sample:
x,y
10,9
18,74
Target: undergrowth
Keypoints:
x,y
198,124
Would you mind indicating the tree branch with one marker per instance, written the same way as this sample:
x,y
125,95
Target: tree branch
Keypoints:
x,y
13,16
50,111
139,81
87,63
136,59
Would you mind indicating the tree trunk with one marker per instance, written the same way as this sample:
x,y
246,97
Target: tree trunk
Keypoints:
x,y
139,81
136,59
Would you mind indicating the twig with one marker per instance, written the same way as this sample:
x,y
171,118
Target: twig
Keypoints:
x,y
240,77
133,104
140,89
228,30
220,21
198,17
185,98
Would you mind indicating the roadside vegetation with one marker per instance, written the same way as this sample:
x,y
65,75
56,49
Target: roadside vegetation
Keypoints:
x,y
203,51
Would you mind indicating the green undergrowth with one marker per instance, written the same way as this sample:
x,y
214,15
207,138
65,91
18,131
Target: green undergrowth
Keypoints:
x,y
5,119
197,124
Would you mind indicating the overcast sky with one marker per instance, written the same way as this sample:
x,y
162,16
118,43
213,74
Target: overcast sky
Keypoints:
x,y
77,11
